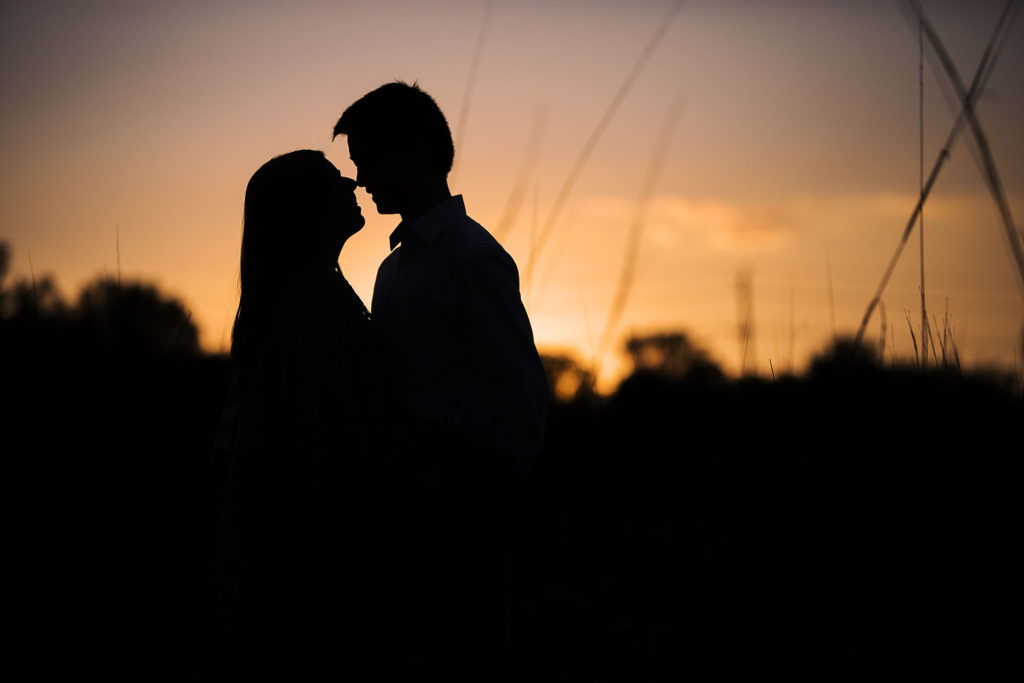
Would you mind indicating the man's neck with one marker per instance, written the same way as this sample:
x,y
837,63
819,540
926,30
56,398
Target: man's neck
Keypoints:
x,y
425,201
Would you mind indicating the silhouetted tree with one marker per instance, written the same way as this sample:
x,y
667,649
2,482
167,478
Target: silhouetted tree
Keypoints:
x,y
36,299
132,318
672,355
567,379
28,300
135,318
845,355
33,324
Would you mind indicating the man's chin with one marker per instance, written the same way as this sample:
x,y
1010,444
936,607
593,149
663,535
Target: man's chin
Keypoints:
x,y
384,207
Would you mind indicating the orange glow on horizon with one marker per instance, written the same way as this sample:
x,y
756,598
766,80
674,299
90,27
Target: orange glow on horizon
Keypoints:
x,y
795,157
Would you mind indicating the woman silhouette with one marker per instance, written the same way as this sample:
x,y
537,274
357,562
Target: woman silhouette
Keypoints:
x,y
296,443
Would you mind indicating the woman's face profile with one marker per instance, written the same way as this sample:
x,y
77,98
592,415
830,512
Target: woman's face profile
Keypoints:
x,y
345,216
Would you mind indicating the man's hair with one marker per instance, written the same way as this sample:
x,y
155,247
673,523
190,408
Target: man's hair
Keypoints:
x,y
403,118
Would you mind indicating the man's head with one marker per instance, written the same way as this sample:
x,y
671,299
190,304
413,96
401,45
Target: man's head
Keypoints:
x,y
400,143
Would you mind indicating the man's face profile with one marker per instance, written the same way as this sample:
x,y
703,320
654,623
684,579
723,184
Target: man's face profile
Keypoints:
x,y
383,171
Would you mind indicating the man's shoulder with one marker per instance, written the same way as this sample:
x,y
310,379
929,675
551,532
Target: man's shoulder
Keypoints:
x,y
468,239
390,261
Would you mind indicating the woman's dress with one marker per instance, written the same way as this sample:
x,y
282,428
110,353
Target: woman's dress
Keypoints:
x,y
298,451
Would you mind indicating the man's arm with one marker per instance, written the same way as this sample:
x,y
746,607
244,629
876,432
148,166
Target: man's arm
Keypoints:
x,y
508,403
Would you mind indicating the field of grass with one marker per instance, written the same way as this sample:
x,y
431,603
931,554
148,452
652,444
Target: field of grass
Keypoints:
x,y
856,519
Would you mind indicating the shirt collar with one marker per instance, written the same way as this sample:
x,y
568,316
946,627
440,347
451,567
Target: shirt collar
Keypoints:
x,y
431,222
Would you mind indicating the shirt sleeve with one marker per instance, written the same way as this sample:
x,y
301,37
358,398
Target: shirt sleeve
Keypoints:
x,y
507,404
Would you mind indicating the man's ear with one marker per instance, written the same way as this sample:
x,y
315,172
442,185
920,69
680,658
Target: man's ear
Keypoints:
x,y
419,157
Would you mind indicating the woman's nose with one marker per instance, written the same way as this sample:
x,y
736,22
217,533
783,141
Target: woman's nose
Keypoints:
x,y
349,184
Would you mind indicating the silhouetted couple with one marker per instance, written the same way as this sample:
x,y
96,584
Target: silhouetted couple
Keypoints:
x,y
370,460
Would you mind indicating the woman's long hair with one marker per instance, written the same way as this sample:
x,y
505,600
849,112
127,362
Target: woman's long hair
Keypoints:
x,y
287,205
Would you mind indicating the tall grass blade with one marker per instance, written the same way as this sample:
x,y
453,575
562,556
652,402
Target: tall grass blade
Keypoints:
x,y
636,227
920,217
831,295
913,338
35,288
956,349
986,162
586,326
967,104
467,93
945,333
931,340
791,331
516,197
892,344
881,341
598,132
745,313
533,234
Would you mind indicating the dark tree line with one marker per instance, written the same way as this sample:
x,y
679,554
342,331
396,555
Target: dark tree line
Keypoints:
x,y
856,518
108,316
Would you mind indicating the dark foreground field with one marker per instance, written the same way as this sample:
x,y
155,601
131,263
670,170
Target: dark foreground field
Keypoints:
x,y
855,521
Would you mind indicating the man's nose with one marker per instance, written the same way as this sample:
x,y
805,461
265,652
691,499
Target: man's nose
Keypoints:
x,y
348,184
360,178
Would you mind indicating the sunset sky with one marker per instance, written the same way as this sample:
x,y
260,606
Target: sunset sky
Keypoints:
x,y
795,153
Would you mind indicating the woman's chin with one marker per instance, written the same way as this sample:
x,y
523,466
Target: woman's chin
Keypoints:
x,y
353,226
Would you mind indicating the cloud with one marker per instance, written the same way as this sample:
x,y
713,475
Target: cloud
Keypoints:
x,y
759,227
674,220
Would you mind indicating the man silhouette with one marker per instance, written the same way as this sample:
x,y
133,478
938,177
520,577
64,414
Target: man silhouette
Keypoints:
x,y
456,335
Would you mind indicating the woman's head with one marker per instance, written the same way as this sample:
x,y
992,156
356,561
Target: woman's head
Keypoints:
x,y
299,211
